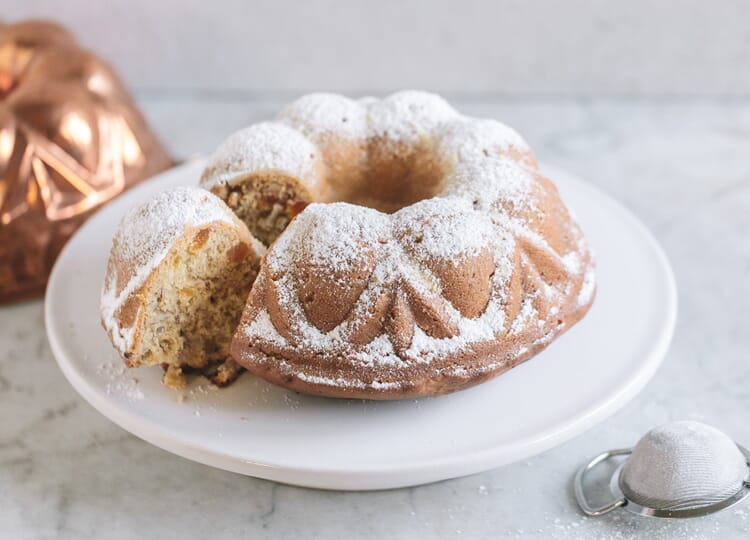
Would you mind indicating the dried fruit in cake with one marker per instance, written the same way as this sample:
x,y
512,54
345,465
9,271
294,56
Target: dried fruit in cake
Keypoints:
x,y
179,271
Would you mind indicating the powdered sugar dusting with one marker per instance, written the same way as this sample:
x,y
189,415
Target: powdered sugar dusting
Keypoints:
x,y
488,192
425,349
143,239
379,353
443,228
329,235
340,381
343,226
471,139
263,326
524,317
491,180
148,230
320,114
683,465
263,147
587,288
408,115
119,383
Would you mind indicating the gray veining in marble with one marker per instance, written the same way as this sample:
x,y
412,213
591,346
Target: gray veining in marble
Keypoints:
x,y
682,166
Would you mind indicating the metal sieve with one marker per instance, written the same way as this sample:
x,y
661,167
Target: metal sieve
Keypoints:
x,y
678,470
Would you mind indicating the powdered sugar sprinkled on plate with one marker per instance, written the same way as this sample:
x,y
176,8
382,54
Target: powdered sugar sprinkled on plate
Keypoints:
x,y
119,382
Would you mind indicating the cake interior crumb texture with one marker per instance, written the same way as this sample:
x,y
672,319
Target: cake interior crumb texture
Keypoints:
x,y
265,203
194,305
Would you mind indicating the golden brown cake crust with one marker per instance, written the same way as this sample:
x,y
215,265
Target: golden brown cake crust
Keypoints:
x,y
479,366
433,254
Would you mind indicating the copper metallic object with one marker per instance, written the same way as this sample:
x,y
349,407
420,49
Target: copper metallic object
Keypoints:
x,y
71,138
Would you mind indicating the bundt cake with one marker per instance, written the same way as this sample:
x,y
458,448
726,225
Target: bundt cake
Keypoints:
x,y
413,251
179,271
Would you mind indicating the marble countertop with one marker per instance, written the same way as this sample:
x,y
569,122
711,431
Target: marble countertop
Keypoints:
x,y
682,166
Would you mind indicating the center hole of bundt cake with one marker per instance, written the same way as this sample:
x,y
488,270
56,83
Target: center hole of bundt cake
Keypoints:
x,y
268,202
391,180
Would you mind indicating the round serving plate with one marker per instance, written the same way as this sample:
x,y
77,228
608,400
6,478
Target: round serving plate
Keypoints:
x,y
257,429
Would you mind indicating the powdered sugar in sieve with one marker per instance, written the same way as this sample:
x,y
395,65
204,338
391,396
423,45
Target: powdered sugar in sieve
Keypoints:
x,y
683,465
680,469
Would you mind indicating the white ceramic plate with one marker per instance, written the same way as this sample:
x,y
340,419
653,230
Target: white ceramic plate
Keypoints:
x,y
260,430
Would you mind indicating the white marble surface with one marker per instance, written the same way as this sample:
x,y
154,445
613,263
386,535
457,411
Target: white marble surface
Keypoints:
x,y
682,166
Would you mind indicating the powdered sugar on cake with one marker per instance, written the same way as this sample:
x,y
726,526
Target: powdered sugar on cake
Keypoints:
x,y
443,228
334,235
144,238
263,147
408,115
470,139
327,234
488,181
320,114
487,201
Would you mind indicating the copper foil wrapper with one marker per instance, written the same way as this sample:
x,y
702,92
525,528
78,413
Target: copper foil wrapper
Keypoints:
x,y
71,139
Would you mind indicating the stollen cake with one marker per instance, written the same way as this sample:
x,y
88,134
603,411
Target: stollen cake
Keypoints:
x,y
179,271
413,251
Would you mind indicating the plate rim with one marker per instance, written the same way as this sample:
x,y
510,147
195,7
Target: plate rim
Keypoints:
x,y
397,474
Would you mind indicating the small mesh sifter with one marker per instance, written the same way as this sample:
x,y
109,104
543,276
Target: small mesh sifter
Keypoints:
x,y
678,470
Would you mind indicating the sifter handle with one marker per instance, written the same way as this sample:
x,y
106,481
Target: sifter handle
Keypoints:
x,y
578,484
